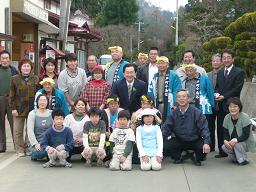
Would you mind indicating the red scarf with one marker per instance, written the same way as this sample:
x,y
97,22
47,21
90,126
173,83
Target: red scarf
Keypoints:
x,y
98,83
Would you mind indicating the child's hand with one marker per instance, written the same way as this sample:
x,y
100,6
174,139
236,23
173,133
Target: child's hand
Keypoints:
x,y
38,147
87,151
51,150
60,147
122,159
145,159
78,142
158,159
100,153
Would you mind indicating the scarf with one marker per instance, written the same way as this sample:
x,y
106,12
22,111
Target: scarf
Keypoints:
x,y
116,76
78,117
71,73
197,96
197,91
166,84
98,83
52,104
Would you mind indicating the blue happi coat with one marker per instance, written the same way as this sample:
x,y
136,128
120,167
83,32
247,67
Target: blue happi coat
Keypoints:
x,y
206,101
170,92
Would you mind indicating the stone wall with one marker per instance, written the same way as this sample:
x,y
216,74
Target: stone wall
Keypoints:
x,y
248,98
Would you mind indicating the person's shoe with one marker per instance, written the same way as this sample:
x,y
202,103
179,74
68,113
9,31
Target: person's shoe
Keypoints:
x,y
28,153
2,151
197,163
235,162
179,161
48,164
88,163
21,154
245,162
221,155
106,163
67,165
99,163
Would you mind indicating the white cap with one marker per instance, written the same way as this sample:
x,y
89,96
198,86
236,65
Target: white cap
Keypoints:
x,y
148,111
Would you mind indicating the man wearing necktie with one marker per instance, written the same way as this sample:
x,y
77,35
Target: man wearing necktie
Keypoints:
x,y
229,84
130,89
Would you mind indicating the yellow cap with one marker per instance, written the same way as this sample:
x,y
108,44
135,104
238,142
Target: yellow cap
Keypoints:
x,y
142,55
118,48
189,65
145,98
162,59
47,80
112,99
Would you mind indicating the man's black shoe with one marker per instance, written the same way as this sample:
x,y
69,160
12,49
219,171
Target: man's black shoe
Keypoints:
x,y
2,151
197,163
243,163
179,161
221,155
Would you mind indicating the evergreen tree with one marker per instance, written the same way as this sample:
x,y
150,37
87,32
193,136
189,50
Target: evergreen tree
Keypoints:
x,y
117,12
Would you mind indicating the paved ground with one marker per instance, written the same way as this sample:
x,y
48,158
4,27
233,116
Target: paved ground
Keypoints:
x,y
216,175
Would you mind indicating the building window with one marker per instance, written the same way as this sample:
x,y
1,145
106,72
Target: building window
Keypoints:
x,y
47,4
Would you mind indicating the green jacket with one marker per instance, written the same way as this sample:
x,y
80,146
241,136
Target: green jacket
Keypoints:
x,y
22,94
242,122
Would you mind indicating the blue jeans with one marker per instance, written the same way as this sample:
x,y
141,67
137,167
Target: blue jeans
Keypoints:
x,y
37,154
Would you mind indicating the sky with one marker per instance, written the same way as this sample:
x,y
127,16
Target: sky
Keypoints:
x,y
169,5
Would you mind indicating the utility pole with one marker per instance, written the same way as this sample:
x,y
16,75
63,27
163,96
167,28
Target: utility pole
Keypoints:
x,y
139,29
63,23
177,24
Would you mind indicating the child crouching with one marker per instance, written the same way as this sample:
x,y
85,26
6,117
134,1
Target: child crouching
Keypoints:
x,y
149,141
58,141
94,135
121,143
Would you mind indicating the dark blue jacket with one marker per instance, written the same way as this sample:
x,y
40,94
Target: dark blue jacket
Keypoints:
x,y
190,126
120,89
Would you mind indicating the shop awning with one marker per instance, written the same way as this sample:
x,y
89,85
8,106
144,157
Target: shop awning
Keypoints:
x,y
5,37
48,28
58,53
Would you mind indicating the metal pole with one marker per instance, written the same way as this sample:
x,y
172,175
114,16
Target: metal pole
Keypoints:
x,y
139,29
63,23
177,24
8,44
139,36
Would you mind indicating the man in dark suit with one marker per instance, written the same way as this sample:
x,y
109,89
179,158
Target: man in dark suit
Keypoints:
x,y
129,90
146,73
229,83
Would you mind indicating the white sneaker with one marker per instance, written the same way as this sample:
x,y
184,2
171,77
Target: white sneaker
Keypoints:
x,y
21,154
28,153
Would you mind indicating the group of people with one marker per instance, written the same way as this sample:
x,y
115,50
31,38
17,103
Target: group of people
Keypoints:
x,y
125,113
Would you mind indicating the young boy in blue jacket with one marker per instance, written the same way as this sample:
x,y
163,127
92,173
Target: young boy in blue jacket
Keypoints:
x,y
58,141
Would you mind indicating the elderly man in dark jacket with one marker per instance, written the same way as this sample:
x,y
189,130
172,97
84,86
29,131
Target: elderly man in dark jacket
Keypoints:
x,y
186,128
6,72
